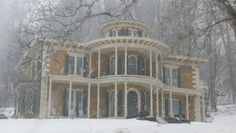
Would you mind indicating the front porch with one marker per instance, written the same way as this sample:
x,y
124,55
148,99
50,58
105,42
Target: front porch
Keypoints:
x,y
121,99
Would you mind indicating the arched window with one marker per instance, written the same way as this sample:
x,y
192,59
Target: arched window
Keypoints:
x,y
112,65
134,102
132,65
111,103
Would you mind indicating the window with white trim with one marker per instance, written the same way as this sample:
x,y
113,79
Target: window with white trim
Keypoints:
x,y
112,65
171,76
74,64
174,77
132,64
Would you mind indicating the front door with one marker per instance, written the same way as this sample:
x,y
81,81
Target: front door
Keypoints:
x,y
132,104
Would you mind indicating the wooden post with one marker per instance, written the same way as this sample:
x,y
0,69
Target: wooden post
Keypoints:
x,y
171,105
157,101
90,64
89,94
99,62
126,99
116,100
150,53
157,66
98,101
49,97
151,100
187,107
69,105
162,103
116,61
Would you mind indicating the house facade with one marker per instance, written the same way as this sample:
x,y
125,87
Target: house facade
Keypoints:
x,y
116,76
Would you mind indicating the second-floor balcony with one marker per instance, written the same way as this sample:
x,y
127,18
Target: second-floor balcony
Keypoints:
x,y
114,61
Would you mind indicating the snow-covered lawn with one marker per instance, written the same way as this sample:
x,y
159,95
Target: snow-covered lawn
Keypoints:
x,y
224,122
109,126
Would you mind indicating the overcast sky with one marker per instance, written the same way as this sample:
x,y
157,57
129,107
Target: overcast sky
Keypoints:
x,y
6,21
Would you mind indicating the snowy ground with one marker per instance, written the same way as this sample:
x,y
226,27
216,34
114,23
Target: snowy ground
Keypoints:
x,y
224,122
8,112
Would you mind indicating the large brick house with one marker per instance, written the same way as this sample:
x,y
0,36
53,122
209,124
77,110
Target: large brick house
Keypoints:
x,y
117,76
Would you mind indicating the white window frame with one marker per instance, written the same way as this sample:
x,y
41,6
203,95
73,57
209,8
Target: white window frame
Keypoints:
x,y
136,65
173,99
73,101
171,68
76,55
138,97
110,63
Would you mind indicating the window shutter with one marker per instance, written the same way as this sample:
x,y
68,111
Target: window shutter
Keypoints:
x,y
141,66
180,108
120,64
164,77
65,102
142,102
85,69
107,103
85,100
120,103
108,67
34,102
66,64
179,77
167,107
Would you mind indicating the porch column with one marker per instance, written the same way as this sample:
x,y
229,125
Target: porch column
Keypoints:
x,y
187,107
162,103
151,100
90,64
116,61
99,62
171,104
116,101
157,101
89,93
197,107
69,105
125,60
157,66
49,97
203,108
125,98
98,101
150,53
